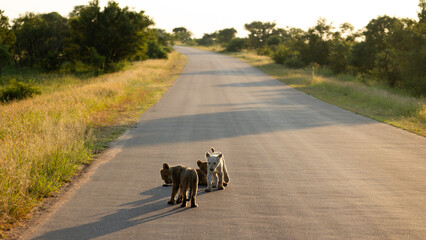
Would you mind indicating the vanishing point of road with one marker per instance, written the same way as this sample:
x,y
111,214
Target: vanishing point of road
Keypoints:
x,y
299,168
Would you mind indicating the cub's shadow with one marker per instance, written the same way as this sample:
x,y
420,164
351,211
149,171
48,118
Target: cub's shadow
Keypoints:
x,y
127,215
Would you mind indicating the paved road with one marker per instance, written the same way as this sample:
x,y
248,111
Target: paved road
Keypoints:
x,y
299,168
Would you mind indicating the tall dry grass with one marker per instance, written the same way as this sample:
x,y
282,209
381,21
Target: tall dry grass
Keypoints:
x,y
46,139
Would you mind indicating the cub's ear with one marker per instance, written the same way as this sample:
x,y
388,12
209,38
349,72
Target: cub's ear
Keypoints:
x,y
199,163
166,166
207,154
212,148
220,155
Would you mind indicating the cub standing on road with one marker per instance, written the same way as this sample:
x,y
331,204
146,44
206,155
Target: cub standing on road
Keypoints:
x,y
216,168
182,179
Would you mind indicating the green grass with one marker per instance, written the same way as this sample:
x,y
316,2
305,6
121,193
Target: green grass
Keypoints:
x,y
362,96
46,139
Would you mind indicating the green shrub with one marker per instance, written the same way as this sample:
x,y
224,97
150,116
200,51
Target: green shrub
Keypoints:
x,y
290,58
236,45
156,51
18,90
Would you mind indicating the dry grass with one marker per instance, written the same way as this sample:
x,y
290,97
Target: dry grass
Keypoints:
x,y
45,140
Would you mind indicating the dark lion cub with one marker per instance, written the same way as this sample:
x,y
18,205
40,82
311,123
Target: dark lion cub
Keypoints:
x,y
182,179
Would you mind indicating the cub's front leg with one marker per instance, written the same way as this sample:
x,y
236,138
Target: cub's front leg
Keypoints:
x,y
174,191
209,181
215,180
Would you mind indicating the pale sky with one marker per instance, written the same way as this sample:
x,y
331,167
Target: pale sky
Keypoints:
x,y
201,17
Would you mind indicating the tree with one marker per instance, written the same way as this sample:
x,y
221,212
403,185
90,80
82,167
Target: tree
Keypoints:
x,y
259,33
7,39
207,39
159,43
114,34
341,48
237,44
40,39
318,45
224,36
182,34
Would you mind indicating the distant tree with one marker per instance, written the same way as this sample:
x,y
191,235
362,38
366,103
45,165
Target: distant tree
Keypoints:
x,y
341,48
259,33
318,45
159,43
182,34
207,39
237,44
164,38
224,36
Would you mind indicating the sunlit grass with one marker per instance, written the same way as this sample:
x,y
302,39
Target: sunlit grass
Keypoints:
x,y
383,104
46,139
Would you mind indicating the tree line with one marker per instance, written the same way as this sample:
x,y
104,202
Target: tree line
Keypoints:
x,y
389,49
90,37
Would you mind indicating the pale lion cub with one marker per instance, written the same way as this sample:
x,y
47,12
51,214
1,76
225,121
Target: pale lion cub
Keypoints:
x,y
182,179
216,170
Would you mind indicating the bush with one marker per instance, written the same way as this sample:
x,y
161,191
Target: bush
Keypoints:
x,y
290,58
156,51
18,90
237,45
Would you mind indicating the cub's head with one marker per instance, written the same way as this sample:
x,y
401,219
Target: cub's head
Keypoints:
x,y
166,174
213,160
202,165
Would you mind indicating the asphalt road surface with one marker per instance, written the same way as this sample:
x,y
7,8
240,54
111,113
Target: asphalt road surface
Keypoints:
x,y
299,168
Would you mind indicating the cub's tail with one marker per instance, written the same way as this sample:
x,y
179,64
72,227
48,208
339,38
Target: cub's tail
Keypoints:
x,y
226,175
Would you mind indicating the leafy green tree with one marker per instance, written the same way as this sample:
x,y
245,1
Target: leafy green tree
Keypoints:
x,y
115,34
318,43
159,43
207,39
289,57
7,39
40,39
224,36
164,38
237,44
259,33
182,34
28,36
5,56
341,48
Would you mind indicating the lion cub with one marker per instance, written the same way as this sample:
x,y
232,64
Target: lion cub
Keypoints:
x,y
202,172
182,179
216,168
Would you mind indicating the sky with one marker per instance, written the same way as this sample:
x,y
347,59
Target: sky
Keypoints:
x,y
201,17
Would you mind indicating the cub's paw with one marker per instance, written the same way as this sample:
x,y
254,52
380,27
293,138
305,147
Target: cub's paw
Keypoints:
x,y
179,200
183,204
208,190
220,188
194,205
225,184
171,202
